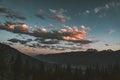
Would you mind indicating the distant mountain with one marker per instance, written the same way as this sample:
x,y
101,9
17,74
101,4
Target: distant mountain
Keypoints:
x,y
89,57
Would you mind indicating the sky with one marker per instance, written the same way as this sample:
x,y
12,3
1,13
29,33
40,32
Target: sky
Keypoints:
x,y
53,26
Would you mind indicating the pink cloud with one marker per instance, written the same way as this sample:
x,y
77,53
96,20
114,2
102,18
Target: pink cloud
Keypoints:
x,y
111,31
85,28
59,15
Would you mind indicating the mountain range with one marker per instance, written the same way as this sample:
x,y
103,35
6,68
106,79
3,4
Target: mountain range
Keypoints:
x,y
89,57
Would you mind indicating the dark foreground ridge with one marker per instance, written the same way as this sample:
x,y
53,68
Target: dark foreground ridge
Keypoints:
x,y
17,66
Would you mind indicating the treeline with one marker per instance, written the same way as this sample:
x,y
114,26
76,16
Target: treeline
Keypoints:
x,y
23,70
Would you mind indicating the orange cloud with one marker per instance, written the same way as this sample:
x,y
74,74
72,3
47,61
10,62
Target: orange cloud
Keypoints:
x,y
75,34
43,30
11,27
66,34
24,28
63,30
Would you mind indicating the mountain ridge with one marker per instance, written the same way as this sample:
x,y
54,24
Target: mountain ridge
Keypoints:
x,y
12,52
88,57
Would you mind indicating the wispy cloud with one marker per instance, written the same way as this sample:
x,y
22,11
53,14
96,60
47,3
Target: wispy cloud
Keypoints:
x,y
107,6
59,15
101,10
111,31
9,13
85,28
40,14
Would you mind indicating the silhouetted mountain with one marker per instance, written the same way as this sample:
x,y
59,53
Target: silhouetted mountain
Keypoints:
x,y
10,53
89,57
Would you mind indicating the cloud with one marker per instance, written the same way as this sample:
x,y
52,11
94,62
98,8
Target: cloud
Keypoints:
x,y
107,6
82,41
18,23
51,26
21,28
59,15
107,44
50,42
63,30
14,40
100,11
67,38
43,30
69,34
40,14
97,9
47,41
54,47
4,9
85,28
87,11
76,36
111,31
15,15
73,36
9,13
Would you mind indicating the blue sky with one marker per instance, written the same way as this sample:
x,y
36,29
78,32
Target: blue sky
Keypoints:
x,y
102,17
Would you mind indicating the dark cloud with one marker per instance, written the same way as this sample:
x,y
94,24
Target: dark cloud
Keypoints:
x,y
58,36
23,42
9,13
9,22
17,22
15,15
53,47
47,41
73,35
83,41
9,26
40,14
50,42
14,40
29,40
4,9
107,44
